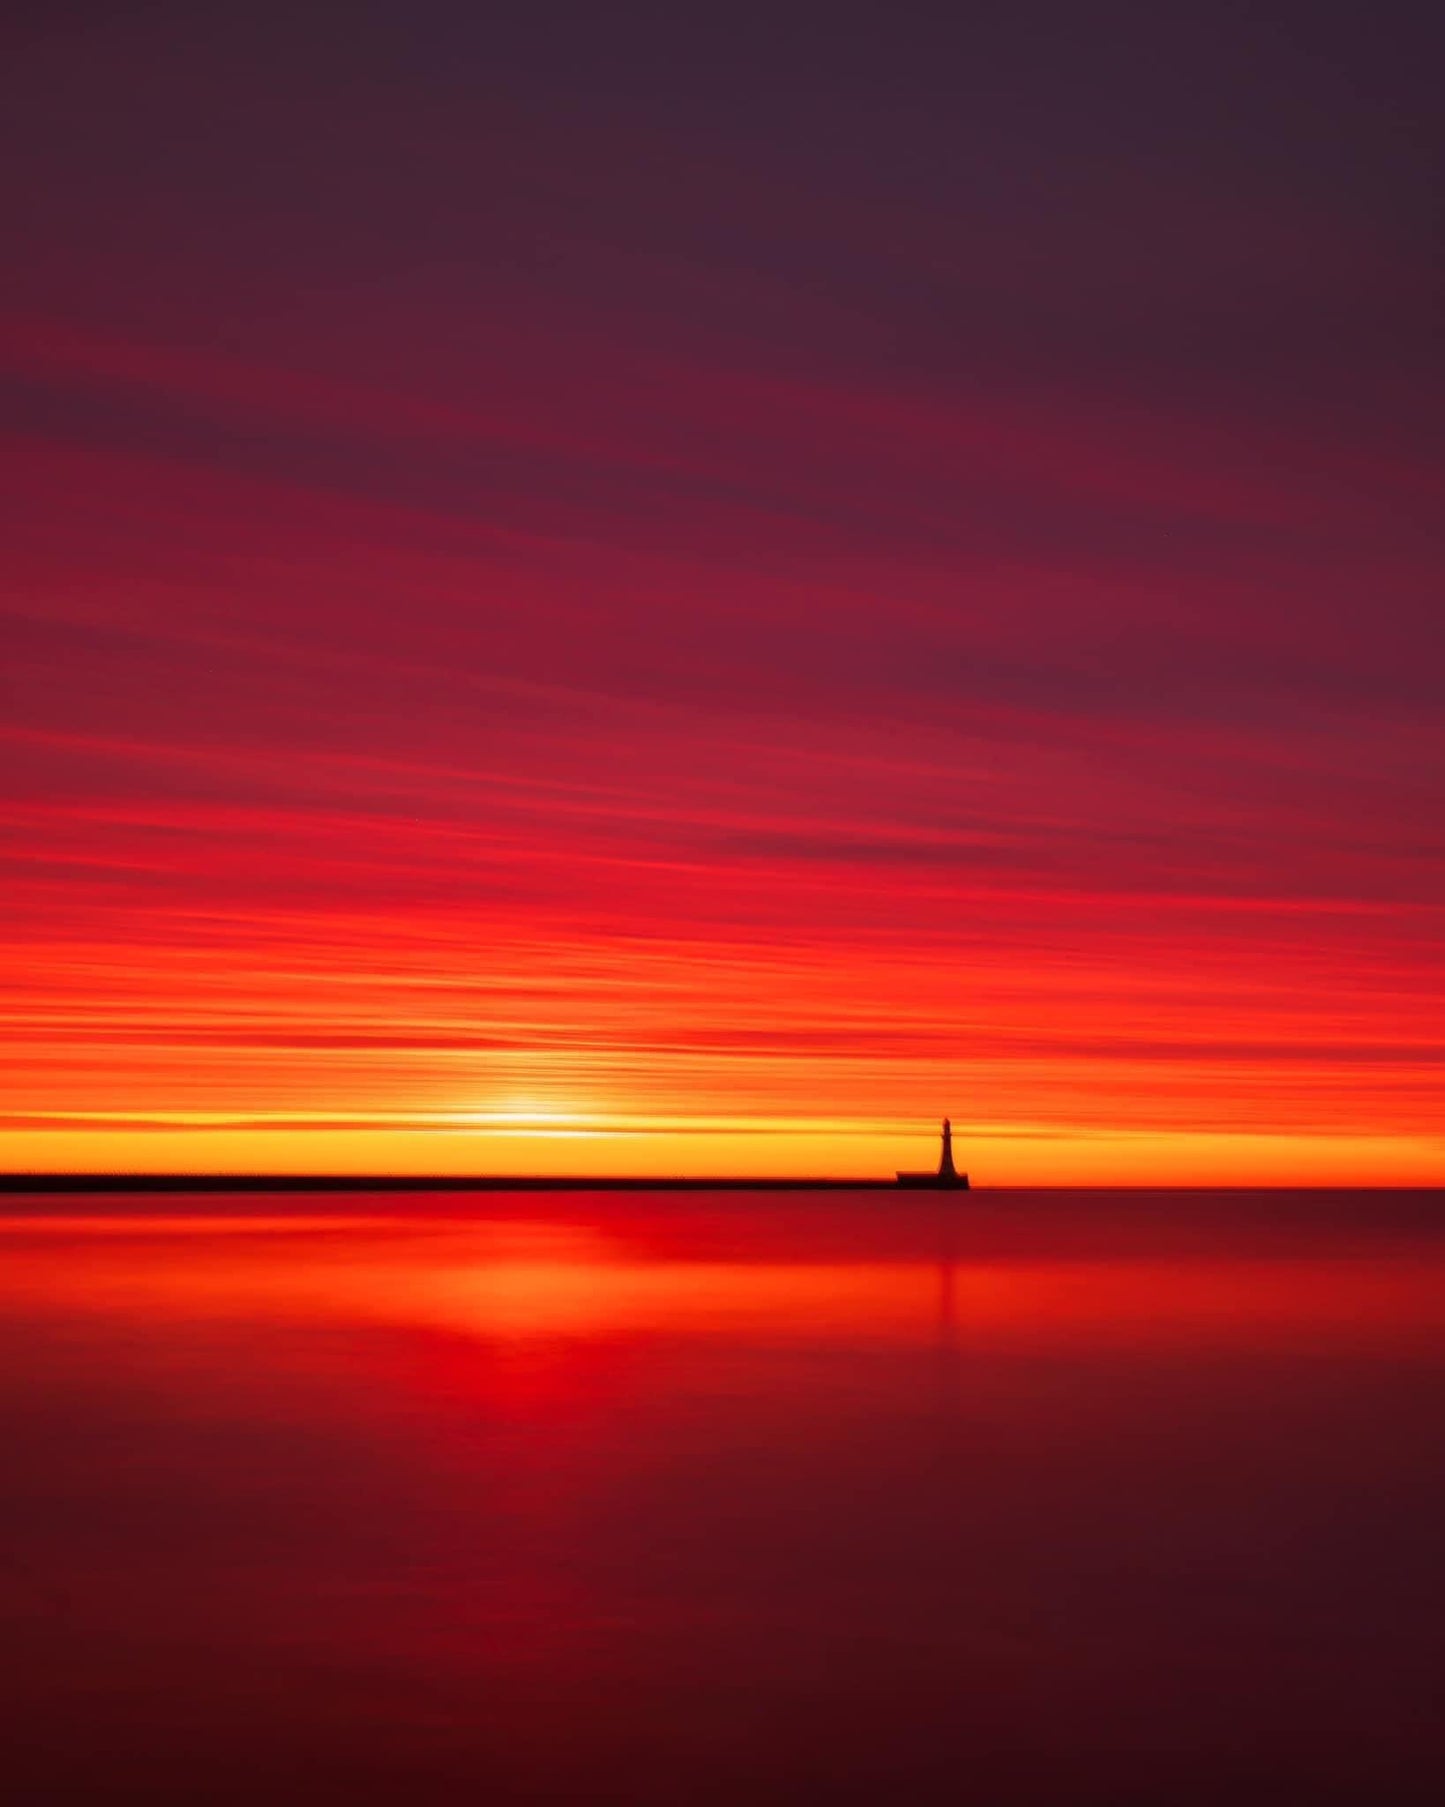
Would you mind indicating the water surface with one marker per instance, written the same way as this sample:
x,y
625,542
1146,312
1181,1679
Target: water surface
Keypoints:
x,y
1006,1498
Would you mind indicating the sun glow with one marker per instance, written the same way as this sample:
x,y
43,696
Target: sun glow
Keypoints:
x,y
530,1117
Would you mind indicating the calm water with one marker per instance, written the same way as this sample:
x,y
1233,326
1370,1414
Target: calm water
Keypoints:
x,y
1047,1498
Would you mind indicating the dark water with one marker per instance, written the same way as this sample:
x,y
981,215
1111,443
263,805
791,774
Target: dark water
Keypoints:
x,y
1047,1498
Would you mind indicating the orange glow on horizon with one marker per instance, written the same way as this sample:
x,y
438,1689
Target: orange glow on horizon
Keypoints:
x,y
388,1046
1016,1157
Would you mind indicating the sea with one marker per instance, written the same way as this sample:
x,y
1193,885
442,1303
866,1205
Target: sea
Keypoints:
x,y
1003,1497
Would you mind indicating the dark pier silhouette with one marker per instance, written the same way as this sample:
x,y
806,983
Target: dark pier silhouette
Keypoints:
x,y
946,1178
421,1182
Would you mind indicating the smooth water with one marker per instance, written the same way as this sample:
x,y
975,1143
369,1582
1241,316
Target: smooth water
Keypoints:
x,y
1014,1497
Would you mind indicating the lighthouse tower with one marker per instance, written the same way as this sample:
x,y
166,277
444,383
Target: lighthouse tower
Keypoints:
x,y
947,1173
946,1176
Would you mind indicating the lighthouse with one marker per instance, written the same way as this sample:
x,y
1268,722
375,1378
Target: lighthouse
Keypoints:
x,y
947,1172
947,1178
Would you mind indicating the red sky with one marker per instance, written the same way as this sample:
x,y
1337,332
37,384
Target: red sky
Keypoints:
x,y
610,592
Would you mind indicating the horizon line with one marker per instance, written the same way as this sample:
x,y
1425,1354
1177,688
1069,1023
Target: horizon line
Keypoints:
x,y
12,1183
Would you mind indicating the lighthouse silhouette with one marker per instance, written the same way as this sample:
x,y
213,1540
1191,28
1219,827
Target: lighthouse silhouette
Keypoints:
x,y
947,1177
946,1169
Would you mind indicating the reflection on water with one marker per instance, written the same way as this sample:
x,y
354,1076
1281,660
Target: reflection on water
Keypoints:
x,y
1005,1499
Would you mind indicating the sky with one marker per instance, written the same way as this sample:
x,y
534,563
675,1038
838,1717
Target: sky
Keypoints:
x,y
685,590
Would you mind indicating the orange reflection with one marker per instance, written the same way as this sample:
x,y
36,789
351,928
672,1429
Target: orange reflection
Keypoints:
x,y
520,1282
